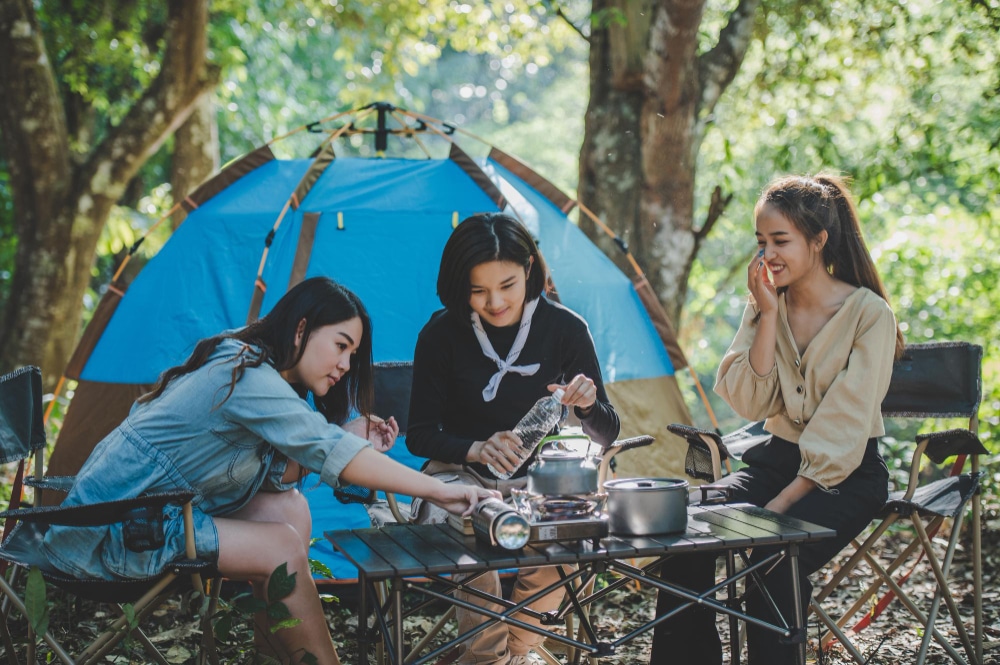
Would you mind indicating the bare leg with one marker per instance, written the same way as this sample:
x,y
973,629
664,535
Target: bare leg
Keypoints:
x,y
272,529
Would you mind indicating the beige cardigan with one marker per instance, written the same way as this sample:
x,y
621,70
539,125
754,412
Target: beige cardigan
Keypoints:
x,y
828,400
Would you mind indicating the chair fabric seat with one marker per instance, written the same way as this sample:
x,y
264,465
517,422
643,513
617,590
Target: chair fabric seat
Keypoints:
x,y
22,547
946,497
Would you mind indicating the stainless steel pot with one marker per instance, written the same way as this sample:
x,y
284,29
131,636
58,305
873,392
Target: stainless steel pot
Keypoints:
x,y
647,506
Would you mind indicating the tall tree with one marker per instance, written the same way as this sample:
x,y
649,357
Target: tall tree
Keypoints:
x,y
653,86
68,166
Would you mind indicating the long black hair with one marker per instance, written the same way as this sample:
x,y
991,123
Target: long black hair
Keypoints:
x,y
480,239
823,203
318,301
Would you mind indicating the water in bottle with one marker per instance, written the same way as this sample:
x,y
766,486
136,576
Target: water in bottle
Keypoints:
x,y
533,427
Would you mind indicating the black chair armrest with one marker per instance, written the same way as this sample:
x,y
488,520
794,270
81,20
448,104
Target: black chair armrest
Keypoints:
x,y
693,436
628,444
949,443
97,514
53,483
617,447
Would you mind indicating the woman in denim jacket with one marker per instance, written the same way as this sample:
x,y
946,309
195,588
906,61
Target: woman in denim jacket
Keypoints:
x,y
233,426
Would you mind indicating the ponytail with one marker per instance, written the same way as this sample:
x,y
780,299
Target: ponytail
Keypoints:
x,y
824,203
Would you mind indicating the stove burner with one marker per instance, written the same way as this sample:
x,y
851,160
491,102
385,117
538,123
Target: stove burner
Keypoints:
x,y
560,507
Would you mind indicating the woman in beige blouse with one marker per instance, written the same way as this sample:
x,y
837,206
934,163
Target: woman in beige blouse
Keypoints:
x,y
812,358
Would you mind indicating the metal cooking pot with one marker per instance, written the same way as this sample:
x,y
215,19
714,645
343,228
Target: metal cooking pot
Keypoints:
x,y
647,506
564,467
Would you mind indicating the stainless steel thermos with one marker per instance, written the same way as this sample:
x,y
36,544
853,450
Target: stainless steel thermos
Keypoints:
x,y
499,524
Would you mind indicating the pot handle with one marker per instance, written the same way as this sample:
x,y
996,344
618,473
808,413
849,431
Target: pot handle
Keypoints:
x,y
562,437
726,493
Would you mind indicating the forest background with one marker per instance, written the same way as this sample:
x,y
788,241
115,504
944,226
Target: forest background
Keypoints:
x,y
666,117
110,108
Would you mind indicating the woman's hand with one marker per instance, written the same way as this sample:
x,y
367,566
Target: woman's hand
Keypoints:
x,y
381,433
502,450
581,392
460,499
761,287
788,497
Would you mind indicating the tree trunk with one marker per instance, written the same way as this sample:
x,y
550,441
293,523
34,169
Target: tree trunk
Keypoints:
x,y
611,155
62,206
196,153
651,91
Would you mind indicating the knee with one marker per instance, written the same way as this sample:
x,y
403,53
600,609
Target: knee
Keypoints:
x,y
285,548
295,512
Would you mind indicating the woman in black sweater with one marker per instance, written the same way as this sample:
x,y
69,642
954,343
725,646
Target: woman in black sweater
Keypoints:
x,y
480,365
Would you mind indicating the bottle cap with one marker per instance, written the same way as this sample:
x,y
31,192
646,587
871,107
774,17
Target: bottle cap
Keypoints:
x,y
558,393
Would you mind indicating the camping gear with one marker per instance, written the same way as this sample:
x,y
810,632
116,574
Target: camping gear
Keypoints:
x,y
378,226
22,436
496,523
647,506
562,500
559,469
935,380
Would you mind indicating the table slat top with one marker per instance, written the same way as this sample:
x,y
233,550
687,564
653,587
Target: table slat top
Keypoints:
x,y
413,550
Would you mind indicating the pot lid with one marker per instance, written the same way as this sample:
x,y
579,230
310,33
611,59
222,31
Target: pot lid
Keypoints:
x,y
556,454
644,484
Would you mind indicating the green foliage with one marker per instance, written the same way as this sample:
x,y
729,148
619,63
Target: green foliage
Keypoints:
x,y
105,54
236,619
343,55
903,98
35,603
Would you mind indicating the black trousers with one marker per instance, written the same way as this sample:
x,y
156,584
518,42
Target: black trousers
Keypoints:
x,y
690,638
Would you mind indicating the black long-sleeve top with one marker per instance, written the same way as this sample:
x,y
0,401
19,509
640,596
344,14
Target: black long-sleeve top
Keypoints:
x,y
447,410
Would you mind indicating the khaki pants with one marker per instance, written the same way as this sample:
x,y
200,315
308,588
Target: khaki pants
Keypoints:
x,y
496,644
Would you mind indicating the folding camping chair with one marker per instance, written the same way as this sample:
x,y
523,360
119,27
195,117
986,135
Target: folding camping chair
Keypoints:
x,y
393,381
22,434
934,380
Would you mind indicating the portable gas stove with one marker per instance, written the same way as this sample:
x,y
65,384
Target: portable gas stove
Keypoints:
x,y
561,518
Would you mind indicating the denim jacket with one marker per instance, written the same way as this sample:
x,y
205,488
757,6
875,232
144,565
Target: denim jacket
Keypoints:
x,y
189,439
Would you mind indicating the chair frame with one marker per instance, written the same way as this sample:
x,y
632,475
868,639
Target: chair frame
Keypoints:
x,y
157,590
937,446
16,518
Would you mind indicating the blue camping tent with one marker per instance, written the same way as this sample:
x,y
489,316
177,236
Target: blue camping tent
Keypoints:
x,y
378,226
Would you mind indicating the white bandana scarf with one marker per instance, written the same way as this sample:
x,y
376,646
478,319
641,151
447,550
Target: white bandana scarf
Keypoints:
x,y
504,366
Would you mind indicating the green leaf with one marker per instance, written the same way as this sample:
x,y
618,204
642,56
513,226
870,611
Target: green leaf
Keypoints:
x,y
223,627
129,611
278,611
318,568
35,604
281,583
287,623
249,605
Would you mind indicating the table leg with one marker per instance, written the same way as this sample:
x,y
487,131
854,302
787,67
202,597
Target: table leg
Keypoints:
x,y
734,623
798,627
397,610
362,618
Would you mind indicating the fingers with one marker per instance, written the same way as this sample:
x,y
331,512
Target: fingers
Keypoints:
x,y
473,495
581,392
502,451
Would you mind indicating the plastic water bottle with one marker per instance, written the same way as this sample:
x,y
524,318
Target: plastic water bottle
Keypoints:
x,y
533,427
